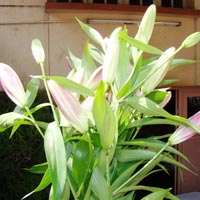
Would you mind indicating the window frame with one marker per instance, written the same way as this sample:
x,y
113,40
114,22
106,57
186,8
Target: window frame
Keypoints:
x,y
60,7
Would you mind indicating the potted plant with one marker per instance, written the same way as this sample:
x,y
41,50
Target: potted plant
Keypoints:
x,y
93,147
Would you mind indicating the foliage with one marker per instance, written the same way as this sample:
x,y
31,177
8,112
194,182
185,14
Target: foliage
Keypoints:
x,y
19,153
93,148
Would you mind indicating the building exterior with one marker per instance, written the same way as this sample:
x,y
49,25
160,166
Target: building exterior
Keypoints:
x,y
55,25
22,21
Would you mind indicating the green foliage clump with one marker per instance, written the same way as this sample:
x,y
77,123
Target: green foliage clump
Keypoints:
x,y
22,151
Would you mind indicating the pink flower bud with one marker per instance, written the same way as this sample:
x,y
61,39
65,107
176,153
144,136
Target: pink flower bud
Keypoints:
x,y
69,106
87,104
95,77
183,133
12,85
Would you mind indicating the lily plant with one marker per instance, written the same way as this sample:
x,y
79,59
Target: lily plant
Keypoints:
x,y
93,147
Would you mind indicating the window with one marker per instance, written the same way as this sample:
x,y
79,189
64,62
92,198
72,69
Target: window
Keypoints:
x,y
162,3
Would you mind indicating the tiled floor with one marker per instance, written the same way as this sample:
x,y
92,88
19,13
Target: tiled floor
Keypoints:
x,y
190,196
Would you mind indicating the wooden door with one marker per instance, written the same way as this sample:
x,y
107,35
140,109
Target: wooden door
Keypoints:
x,y
188,104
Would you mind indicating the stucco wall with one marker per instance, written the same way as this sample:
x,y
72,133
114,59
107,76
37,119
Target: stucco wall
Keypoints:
x,y
21,21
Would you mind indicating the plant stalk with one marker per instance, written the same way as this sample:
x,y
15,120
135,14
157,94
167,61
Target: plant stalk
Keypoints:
x,y
34,122
108,173
48,93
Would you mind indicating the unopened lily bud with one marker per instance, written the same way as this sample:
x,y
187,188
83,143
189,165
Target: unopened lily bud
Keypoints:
x,y
38,51
12,85
183,133
69,106
191,40
95,78
111,59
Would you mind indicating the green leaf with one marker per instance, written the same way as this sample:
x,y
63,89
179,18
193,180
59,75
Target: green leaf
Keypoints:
x,y
104,118
56,158
66,192
40,106
140,45
38,51
8,119
32,90
167,82
191,40
158,195
75,61
134,82
87,63
46,180
153,144
123,67
125,196
96,54
71,85
141,173
180,62
92,33
31,93
158,95
81,161
152,121
124,176
17,124
150,108
132,155
148,188
38,169
99,185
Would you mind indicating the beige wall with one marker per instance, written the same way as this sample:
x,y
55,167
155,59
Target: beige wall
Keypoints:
x,y
21,21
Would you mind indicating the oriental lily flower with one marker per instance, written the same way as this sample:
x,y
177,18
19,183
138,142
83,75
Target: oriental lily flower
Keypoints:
x,y
69,65
12,85
69,106
95,77
184,133
76,76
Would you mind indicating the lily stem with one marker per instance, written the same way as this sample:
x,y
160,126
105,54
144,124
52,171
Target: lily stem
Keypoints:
x,y
108,173
34,121
48,93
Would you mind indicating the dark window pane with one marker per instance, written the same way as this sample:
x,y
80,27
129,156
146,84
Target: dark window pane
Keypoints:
x,y
147,2
112,1
166,3
77,1
134,2
178,3
193,105
98,1
62,1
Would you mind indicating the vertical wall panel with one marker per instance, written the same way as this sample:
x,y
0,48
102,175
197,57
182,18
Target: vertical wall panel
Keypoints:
x,y
18,27
22,2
